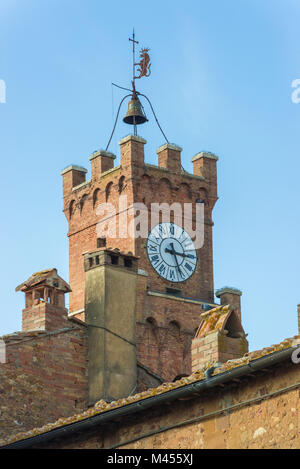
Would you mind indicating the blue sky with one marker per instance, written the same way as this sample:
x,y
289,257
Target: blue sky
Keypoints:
x,y
221,82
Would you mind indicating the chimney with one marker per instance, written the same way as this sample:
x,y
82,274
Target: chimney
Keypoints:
x,y
231,296
110,302
44,302
220,337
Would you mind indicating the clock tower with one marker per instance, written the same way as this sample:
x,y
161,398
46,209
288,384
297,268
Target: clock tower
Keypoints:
x,y
168,305
174,271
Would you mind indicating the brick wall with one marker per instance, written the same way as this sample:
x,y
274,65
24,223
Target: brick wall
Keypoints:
x,y
45,378
216,347
44,316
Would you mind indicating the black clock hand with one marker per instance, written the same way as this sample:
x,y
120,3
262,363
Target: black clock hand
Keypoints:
x,y
174,254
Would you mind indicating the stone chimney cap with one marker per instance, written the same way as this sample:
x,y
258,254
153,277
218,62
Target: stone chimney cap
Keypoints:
x,y
135,138
170,146
105,153
73,167
205,154
223,290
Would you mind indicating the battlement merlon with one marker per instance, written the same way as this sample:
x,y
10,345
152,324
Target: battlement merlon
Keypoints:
x,y
169,156
132,153
205,165
101,161
73,176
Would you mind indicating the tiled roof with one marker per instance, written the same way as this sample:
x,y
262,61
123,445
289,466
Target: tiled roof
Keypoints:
x,y
18,336
102,406
47,277
24,335
215,320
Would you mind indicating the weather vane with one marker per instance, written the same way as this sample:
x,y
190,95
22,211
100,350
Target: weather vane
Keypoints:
x,y
144,64
135,114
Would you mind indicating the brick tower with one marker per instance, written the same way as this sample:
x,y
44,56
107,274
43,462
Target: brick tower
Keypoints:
x,y
167,312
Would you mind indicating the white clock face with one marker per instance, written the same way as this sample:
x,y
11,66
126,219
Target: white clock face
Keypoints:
x,y
171,252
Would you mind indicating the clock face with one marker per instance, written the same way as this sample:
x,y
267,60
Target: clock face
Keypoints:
x,y
171,252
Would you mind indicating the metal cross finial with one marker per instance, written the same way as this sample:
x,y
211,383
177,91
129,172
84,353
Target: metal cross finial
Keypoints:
x,y
134,42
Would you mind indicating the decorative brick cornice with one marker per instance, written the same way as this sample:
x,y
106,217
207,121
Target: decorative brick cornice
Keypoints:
x,y
80,186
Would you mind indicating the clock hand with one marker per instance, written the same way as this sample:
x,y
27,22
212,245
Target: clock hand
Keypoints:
x,y
175,252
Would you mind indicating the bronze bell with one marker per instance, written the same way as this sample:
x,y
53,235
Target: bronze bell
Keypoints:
x,y
135,114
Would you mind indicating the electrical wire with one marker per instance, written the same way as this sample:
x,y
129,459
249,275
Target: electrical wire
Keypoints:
x,y
140,94
127,96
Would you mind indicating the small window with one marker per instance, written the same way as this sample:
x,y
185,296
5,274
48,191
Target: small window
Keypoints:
x,y
114,259
128,262
101,242
90,261
97,260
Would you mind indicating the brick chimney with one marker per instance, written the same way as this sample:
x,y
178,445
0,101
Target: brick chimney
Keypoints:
x,y
220,337
44,301
110,302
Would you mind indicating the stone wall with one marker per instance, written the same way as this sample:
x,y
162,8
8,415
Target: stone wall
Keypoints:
x,y
257,412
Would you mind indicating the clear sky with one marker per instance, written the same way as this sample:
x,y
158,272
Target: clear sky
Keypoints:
x,y
221,82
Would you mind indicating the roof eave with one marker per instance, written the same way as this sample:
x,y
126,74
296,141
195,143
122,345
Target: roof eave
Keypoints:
x,y
189,389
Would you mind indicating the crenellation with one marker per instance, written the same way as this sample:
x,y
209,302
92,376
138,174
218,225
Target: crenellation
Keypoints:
x,y
169,156
101,162
73,176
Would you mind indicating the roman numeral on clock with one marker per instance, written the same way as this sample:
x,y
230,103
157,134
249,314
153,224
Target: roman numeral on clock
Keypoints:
x,y
171,252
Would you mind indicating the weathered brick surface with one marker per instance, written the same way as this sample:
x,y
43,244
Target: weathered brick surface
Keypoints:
x,y
216,347
268,422
45,378
44,316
